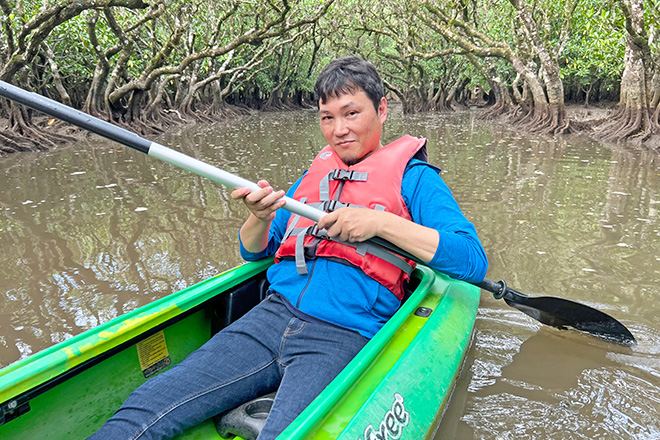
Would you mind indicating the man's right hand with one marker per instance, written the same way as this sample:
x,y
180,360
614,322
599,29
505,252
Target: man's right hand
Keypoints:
x,y
263,202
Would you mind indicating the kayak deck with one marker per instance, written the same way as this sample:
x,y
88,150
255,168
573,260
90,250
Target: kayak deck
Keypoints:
x,y
401,380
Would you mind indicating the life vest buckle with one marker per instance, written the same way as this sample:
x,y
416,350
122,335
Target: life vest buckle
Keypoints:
x,y
316,232
350,175
332,205
340,174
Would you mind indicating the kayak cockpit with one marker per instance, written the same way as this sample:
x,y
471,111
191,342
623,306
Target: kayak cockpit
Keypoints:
x,y
70,389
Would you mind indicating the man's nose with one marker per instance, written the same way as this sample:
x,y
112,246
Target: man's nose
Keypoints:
x,y
341,129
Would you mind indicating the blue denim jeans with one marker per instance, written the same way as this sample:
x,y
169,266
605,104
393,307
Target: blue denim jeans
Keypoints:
x,y
268,349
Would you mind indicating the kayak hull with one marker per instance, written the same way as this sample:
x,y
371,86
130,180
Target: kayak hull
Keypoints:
x,y
397,386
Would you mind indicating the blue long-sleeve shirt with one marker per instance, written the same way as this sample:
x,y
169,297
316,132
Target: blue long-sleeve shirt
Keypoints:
x,y
346,296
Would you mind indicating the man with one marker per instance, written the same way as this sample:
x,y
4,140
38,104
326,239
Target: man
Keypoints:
x,y
331,290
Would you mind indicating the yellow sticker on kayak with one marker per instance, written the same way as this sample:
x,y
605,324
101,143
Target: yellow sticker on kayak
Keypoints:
x,y
153,354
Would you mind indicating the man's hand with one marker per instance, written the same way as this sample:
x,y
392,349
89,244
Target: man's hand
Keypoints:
x,y
353,224
262,203
359,224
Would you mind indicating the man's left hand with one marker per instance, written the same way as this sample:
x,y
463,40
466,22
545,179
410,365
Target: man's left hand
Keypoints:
x,y
352,224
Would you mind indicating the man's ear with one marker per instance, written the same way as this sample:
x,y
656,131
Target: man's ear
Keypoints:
x,y
382,110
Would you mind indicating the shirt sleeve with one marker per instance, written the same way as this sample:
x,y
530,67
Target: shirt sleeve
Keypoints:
x,y
430,203
275,234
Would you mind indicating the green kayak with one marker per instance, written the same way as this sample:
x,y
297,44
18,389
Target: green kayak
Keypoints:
x,y
397,387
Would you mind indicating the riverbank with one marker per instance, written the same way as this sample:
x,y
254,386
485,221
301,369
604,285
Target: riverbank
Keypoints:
x,y
56,133
586,119
44,132
580,113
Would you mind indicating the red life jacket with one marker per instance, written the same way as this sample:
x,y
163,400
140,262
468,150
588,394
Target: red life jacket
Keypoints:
x,y
374,182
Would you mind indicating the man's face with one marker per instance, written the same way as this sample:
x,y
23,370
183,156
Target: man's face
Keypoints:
x,y
352,126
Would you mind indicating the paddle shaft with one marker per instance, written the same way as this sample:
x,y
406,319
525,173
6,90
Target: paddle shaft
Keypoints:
x,y
153,149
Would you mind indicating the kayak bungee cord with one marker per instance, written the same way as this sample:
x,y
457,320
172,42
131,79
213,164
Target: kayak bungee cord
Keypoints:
x,y
553,311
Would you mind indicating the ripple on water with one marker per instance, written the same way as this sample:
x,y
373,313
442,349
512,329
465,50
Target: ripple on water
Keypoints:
x,y
535,382
496,347
606,404
645,355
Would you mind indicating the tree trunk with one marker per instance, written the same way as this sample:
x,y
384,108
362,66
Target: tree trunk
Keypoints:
x,y
632,119
94,100
549,113
57,78
503,102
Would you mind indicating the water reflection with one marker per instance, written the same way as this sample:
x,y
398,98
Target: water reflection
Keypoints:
x,y
94,230
559,385
109,233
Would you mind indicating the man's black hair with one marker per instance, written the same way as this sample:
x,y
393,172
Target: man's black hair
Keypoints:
x,y
349,75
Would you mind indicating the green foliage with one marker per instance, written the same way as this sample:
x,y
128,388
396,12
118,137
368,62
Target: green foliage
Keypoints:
x,y
416,60
594,53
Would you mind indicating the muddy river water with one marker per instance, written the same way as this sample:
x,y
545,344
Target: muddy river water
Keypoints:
x,y
91,231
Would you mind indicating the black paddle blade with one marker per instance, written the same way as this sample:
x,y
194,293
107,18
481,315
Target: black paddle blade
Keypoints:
x,y
549,310
563,313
